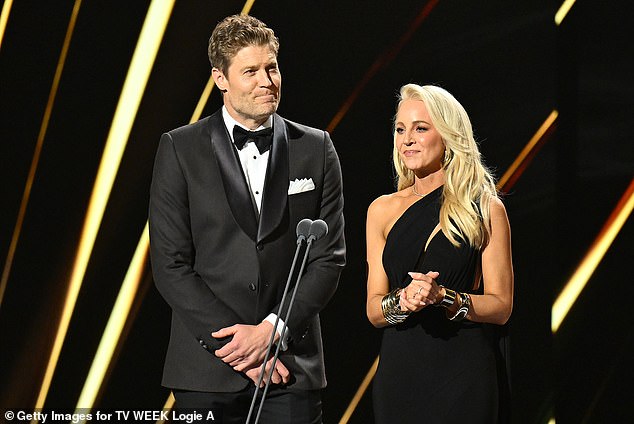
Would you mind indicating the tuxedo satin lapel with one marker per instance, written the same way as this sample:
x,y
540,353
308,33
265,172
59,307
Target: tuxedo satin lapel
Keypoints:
x,y
275,194
233,180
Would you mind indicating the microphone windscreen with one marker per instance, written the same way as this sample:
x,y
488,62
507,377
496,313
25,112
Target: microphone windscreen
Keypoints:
x,y
318,229
303,227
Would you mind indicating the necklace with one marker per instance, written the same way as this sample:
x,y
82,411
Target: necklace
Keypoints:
x,y
417,193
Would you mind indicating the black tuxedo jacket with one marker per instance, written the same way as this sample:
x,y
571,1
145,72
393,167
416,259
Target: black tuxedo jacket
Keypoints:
x,y
217,265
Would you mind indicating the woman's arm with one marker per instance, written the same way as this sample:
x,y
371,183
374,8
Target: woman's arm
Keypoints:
x,y
496,304
378,284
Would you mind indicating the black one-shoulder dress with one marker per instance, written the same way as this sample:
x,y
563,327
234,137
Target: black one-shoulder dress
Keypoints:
x,y
431,369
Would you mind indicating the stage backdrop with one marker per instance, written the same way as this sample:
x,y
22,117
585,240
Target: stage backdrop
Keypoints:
x,y
87,88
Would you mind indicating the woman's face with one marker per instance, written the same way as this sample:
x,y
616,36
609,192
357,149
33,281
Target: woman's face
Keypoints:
x,y
418,143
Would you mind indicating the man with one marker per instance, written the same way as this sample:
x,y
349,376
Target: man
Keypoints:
x,y
224,207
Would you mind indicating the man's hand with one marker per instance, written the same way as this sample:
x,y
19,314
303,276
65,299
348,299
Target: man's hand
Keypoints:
x,y
247,347
280,375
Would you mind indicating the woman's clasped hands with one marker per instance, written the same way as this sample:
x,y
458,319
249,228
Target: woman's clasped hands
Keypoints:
x,y
421,292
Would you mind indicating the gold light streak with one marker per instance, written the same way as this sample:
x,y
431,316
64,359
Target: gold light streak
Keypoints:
x,y
360,392
169,404
528,152
247,7
595,254
4,18
204,98
123,305
380,63
114,328
26,195
131,94
563,11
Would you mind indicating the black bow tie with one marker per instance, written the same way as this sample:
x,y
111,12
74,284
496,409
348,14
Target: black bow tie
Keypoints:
x,y
261,138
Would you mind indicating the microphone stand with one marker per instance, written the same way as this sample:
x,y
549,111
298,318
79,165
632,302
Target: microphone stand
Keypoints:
x,y
302,228
317,230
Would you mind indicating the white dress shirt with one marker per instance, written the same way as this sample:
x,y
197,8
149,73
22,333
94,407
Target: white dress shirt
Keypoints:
x,y
254,167
253,163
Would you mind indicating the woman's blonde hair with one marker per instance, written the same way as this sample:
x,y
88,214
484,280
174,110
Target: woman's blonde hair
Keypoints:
x,y
469,186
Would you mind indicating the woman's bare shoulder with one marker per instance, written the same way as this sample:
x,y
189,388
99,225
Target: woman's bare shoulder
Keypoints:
x,y
388,202
496,208
386,208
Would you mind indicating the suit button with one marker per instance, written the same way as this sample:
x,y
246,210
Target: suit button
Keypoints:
x,y
259,246
252,287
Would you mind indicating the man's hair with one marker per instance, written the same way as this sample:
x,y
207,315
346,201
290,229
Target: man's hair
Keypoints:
x,y
235,33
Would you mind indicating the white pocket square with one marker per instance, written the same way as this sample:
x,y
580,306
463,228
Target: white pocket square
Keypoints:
x,y
300,186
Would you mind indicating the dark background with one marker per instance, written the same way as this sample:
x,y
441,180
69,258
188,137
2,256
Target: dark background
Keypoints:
x,y
506,62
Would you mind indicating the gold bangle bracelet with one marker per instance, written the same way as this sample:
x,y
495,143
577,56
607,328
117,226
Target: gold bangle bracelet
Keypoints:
x,y
448,299
391,307
463,310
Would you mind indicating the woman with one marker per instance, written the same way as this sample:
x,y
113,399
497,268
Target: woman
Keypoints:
x,y
439,270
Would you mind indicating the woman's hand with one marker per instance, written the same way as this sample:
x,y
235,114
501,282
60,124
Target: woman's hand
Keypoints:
x,y
421,292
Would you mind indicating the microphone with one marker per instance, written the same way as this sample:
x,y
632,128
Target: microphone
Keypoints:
x,y
303,231
317,230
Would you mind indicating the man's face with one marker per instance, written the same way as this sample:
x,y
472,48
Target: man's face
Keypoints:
x,y
251,85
